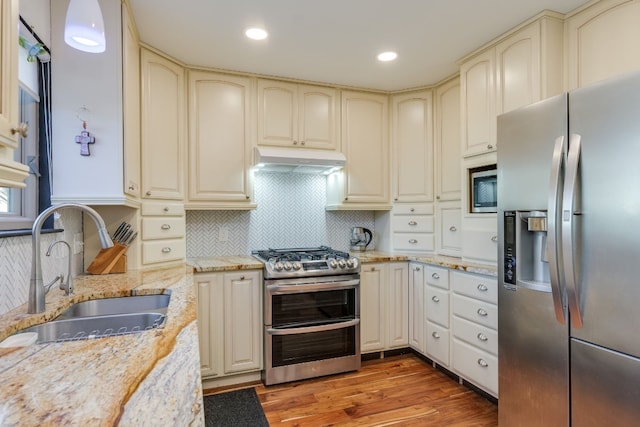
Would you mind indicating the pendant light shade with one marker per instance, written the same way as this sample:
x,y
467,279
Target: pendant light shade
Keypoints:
x,y
84,27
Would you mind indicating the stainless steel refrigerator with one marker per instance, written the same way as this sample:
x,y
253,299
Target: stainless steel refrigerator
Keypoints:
x,y
569,259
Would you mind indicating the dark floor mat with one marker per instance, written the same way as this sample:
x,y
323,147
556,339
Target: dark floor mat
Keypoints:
x,y
238,408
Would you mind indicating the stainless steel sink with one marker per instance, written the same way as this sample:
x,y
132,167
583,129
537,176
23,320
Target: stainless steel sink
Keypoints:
x,y
121,305
105,317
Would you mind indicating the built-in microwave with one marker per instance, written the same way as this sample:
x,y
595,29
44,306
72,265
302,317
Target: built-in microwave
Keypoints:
x,y
483,189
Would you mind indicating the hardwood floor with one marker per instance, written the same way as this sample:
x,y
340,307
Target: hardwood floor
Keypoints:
x,y
399,391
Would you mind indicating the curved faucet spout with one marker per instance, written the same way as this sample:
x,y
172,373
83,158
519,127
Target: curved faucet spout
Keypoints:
x,y
36,287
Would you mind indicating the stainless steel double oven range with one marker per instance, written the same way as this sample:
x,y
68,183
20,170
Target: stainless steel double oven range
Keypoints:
x,y
311,313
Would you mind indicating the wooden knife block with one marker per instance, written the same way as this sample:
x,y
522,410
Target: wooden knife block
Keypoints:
x,y
109,260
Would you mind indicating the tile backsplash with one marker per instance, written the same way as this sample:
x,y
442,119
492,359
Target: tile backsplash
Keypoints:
x,y
290,213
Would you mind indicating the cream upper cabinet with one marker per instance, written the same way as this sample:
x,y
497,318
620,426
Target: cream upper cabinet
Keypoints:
x,y
412,142
602,41
520,68
163,127
478,103
295,115
363,184
12,173
220,129
447,141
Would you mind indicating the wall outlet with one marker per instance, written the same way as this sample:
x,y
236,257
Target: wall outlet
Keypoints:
x,y
223,234
78,243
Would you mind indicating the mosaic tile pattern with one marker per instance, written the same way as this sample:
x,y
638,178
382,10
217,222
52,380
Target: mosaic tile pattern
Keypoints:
x,y
290,213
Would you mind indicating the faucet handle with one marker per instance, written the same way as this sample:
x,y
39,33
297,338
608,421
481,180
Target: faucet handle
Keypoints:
x,y
68,286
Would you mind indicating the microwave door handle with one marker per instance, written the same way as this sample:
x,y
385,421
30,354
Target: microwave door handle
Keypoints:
x,y
553,238
569,211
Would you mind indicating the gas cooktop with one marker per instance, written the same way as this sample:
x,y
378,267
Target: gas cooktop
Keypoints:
x,y
306,262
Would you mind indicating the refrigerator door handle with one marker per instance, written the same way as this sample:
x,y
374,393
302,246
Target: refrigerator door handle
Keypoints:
x,y
569,211
553,238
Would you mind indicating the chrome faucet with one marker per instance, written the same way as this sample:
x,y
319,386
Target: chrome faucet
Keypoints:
x,y
36,287
66,287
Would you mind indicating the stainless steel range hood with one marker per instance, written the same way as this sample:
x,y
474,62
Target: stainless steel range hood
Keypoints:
x,y
298,160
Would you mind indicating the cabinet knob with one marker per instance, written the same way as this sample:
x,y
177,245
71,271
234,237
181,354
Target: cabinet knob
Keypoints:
x,y
482,287
494,238
490,146
166,250
453,228
295,142
247,197
301,142
435,299
22,129
412,210
165,227
413,223
165,209
436,335
482,337
482,312
483,363
241,277
435,276
413,241
437,197
417,269
148,193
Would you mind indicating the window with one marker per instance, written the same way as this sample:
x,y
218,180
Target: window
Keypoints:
x,y
19,206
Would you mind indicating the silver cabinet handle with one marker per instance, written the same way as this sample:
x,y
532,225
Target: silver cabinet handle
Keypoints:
x,y
482,337
22,129
435,299
413,223
483,363
453,228
165,227
166,250
482,287
435,276
494,238
413,241
482,312
436,335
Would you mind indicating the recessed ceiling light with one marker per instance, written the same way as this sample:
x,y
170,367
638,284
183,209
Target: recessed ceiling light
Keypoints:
x,y
387,56
256,33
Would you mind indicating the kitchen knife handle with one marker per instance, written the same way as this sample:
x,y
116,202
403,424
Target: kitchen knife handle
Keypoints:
x,y
553,236
569,209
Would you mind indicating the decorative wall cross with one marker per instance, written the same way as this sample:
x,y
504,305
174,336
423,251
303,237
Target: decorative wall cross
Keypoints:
x,y
84,139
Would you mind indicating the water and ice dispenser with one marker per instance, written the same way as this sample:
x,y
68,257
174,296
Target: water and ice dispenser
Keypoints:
x,y
525,250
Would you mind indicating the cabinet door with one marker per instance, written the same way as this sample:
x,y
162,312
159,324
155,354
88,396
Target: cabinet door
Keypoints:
x,y
450,230
397,309
219,139
478,104
242,321
210,308
277,113
416,308
163,127
602,41
447,159
412,123
317,117
131,104
518,69
372,296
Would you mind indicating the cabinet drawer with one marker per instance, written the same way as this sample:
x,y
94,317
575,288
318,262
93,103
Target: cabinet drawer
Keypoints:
x,y
413,241
478,366
413,223
480,245
477,311
437,306
412,209
474,286
162,209
163,251
476,335
437,276
154,228
438,343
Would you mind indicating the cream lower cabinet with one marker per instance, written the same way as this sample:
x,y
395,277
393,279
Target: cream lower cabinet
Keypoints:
x,y
436,308
384,307
230,322
220,129
363,184
416,307
474,344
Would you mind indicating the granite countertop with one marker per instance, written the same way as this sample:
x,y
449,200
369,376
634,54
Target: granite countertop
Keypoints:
x,y
224,263
107,381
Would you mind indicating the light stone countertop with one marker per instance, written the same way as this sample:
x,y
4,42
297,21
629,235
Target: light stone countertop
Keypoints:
x,y
224,263
148,378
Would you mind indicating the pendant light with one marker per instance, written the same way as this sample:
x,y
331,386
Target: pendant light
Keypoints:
x,y
84,27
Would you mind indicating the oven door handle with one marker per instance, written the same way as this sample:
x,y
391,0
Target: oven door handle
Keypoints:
x,y
310,329
320,286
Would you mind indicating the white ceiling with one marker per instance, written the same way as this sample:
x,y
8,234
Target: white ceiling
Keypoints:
x,y
333,41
